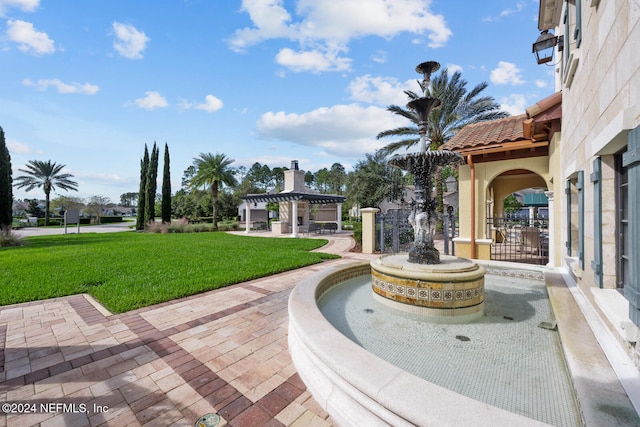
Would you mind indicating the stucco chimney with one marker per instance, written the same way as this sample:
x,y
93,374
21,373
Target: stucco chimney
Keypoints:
x,y
294,178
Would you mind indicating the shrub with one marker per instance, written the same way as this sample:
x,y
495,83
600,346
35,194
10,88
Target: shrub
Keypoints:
x,y
8,238
180,226
52,221
110,219
357,232
229,226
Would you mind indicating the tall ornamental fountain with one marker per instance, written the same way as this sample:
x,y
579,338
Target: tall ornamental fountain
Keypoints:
x,y
445,288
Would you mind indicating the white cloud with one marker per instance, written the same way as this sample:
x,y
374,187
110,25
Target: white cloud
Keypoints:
x,y
130,42
342,130
506,73
18,147
24,5
211,104
541,83
378,90
453,68
506,12
72,87
270,19
324,28
514,104
380,56
346,19
28,38
151,101
312,60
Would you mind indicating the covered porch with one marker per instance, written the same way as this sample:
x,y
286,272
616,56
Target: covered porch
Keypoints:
x,y
502,157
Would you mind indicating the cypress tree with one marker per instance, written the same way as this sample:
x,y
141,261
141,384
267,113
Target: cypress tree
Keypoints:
x,y
166,188
6,193
144,165
152,185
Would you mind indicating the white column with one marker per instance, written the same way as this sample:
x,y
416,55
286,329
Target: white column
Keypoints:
x,y
552,227
294,218
532,215
247,218
339,212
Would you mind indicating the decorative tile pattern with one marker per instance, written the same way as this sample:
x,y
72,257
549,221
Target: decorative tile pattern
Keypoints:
x,y
524,274
422,293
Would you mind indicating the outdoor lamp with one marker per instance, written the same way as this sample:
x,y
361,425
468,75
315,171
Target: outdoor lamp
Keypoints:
x,y
543,47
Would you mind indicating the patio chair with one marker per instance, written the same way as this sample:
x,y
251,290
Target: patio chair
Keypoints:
x,y
530,240
331,227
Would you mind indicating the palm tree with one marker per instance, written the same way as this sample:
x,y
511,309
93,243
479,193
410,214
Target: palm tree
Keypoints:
x,y
459,108
212,170
46,175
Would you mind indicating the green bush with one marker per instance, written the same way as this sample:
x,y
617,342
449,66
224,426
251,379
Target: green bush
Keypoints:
x,y
228,226
52,221
180,226
110,219
357,232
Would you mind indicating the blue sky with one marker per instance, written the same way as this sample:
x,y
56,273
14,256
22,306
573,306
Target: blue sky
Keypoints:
x,y
87,84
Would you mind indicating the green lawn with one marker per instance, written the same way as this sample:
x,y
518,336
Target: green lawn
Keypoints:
x,y
125,271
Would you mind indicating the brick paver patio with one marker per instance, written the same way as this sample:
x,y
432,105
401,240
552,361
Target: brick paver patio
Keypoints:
x,y
68,362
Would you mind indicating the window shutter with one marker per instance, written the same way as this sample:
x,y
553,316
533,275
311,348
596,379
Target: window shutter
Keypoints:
x,y
596,263
631,160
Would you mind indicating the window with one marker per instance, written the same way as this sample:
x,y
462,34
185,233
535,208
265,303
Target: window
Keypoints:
x,y
575,217
572,20
577,32
622,221
566,32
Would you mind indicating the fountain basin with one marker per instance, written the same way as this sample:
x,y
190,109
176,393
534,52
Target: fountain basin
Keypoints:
x,y
358,388
452,291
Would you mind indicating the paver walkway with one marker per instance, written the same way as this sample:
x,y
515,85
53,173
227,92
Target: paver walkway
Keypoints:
x,y
68,362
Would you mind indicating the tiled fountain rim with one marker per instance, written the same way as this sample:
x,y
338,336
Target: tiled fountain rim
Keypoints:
x,y
357,388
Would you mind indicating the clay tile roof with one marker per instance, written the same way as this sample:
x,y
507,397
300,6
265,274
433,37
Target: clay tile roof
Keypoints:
x,y
484,134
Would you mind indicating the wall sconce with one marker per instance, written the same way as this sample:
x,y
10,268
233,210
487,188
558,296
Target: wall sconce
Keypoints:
x,y
544,45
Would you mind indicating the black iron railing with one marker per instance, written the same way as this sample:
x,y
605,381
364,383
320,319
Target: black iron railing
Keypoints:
x,y
519,239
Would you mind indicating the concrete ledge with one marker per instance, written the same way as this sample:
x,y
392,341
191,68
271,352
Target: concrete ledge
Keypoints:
x,y
357,388
603,399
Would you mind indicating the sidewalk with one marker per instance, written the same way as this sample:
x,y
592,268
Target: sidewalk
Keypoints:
x,y
70,363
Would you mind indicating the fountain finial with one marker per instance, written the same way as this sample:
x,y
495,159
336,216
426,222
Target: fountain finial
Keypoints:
x,y
426,68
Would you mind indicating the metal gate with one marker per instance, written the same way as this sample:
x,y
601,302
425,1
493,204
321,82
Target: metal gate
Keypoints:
x,y
394,233
519,239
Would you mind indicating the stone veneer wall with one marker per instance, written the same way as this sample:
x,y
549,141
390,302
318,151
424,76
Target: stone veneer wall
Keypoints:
x,y
601,103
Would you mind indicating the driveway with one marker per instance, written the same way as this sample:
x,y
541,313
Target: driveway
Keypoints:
x,y
102,228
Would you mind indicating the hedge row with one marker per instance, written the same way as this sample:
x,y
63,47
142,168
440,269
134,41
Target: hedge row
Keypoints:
x,y
60,221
